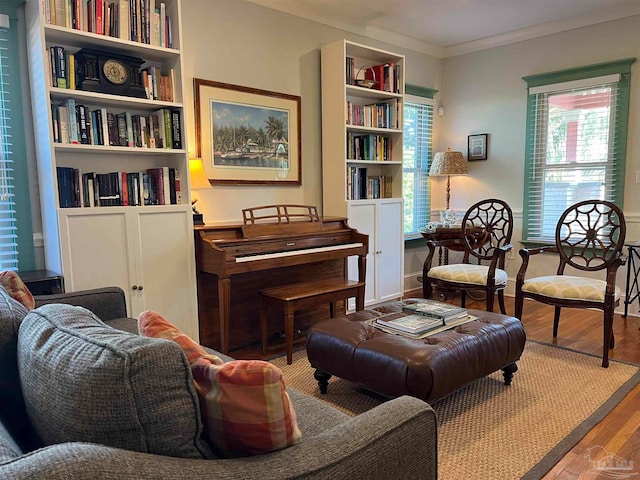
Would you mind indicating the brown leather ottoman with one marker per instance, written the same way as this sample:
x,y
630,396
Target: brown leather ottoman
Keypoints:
x,y
429,368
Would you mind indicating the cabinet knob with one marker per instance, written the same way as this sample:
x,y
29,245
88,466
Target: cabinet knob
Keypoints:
x,y
135,287
140,287
378,252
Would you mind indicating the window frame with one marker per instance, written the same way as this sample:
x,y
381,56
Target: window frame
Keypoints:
x,y
16,66
621,112
423,96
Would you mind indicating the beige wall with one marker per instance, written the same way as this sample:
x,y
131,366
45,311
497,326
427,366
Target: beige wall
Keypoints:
x,y
242,43
484,93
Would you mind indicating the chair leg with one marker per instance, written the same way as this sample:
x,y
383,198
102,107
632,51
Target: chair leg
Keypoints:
x,y
556,321
427,290
608,338
519,305
463,298
612,339
503,309
490,301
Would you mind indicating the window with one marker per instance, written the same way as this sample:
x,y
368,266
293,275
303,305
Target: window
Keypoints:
x,y
418,150
576,142
16,239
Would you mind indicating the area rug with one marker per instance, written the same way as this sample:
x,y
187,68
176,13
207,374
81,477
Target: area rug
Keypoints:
x,y
491,431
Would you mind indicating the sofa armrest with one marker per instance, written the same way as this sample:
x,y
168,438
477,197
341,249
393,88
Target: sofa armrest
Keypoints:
x,y
107,303
394,440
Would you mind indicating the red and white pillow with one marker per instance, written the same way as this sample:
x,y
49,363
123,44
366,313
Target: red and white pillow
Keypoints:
x,y
244,405
16,289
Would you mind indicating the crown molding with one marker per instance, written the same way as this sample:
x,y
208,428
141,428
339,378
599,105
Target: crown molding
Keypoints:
x,y
541,30
308,12
318,15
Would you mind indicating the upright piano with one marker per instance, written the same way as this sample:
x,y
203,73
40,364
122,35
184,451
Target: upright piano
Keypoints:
x,y
275,245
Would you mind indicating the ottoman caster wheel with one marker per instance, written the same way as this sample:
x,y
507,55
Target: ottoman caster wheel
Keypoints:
x,y
323,380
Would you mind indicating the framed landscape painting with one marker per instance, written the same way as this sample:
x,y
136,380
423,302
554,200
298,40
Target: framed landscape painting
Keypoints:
x,y
247,136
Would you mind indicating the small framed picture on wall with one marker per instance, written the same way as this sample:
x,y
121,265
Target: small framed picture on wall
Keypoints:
x,y
477,148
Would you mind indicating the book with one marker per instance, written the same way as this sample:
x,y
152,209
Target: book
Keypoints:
x,y
74,130
435,309
410,323
84,125
124,25
176,131
63,121
121,122
60,67
434,331
55,123
60,14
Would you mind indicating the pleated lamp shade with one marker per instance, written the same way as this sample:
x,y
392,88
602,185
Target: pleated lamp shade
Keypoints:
x,y
448,163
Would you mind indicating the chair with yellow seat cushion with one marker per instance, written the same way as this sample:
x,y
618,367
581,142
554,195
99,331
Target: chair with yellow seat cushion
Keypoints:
x,y
589,238
485,236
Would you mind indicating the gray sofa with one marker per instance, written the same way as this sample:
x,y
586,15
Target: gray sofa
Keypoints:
x,y
394,440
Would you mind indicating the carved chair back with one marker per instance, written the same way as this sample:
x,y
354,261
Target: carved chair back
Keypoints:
x,y
487,225
590,235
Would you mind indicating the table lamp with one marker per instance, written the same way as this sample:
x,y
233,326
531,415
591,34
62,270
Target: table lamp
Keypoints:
x,y
448,163
198,181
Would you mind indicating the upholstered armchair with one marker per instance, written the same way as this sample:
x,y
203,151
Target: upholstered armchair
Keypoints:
x,y
486,232
589,238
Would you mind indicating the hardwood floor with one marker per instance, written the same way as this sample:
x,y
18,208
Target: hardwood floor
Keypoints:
x,y
619,432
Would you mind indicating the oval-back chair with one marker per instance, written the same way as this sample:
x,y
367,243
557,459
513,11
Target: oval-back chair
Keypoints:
x,y
589,238
486,232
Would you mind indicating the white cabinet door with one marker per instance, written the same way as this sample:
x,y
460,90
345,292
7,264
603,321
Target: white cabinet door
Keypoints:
x,y
95,249
165,266
382,221
147,252
389,250
362,217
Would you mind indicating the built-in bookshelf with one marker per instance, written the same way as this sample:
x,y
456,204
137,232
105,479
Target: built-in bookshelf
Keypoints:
x,y
362,93
362,119
106,84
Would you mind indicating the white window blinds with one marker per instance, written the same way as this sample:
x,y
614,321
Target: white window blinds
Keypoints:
x,y
418,150
576,145
8,230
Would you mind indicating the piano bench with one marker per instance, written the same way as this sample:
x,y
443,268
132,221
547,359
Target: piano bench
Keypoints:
x,y
298,296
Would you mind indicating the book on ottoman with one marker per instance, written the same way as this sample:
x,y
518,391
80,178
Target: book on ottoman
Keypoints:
x,y
410,323
435,309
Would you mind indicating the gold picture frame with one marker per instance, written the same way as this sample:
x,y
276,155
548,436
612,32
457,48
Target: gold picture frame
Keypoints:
x,y
247,136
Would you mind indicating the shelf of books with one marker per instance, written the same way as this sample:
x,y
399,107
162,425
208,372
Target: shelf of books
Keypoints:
x,y
112,80
363,98
106,83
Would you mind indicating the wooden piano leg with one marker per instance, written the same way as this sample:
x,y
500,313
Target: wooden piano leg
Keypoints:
x,y
263,325
362,277
360,298
288,330
224,307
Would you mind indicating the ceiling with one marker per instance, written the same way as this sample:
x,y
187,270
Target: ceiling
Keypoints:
x,y
445,28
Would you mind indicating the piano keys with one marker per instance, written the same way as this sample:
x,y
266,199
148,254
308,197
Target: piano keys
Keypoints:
x,y
275,245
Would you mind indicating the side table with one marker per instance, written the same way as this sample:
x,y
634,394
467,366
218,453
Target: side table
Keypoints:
x,y
632,291
452,238
42,282
439,234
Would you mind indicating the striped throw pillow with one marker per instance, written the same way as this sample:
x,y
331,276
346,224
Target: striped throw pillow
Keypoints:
x,y
245,407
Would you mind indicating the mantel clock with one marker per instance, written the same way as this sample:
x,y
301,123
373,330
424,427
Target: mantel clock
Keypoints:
x,y
107,72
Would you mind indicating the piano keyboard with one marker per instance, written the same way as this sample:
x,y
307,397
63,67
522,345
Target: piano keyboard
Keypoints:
x,y
291,253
